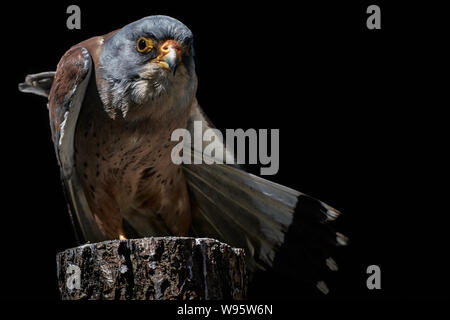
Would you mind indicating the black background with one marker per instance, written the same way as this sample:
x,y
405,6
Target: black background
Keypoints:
x,y
357,109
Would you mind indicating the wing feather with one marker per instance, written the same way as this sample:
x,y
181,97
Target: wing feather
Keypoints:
x,y
65,101
256,214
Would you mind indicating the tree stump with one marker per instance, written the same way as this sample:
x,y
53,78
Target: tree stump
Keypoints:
x,y
152,269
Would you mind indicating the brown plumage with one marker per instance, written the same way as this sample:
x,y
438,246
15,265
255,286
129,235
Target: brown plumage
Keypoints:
x,y
114,103
124,167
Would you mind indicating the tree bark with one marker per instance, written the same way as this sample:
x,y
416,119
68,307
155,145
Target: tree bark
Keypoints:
x,y
152,269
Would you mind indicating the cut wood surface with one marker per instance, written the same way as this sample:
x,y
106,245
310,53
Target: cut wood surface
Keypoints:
x,y
152,269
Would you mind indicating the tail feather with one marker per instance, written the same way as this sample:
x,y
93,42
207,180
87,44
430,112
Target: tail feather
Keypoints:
x,y
39,83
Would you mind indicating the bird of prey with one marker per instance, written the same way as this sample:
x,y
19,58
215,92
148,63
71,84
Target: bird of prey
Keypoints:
x,y
113,103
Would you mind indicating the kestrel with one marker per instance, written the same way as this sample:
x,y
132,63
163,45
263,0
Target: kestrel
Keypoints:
x,y
113,103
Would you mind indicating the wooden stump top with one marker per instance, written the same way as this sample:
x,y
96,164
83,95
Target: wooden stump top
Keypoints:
x,y
152,269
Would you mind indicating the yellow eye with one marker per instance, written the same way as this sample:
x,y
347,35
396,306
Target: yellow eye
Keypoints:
x,y
144,45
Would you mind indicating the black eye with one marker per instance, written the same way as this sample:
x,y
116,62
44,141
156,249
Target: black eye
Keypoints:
x,y
142,44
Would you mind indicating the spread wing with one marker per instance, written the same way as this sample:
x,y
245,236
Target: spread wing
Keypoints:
x,y
65,101
258,215
237,207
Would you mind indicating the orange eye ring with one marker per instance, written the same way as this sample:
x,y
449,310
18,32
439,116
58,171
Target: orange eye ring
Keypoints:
x,y
144,45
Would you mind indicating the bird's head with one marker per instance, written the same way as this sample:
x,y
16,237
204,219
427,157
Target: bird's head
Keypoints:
x,y
147,66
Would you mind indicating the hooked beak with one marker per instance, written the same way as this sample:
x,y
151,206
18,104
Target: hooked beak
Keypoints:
x,y
169,56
